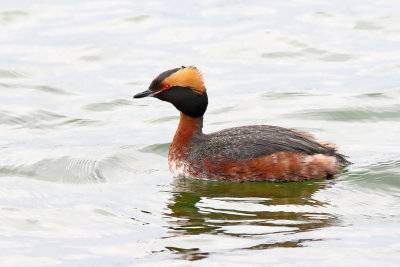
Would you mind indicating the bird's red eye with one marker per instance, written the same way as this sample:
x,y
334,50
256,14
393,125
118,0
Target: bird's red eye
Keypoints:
x,y
166,86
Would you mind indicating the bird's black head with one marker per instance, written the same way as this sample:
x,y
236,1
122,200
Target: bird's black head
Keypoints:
x,y
183,87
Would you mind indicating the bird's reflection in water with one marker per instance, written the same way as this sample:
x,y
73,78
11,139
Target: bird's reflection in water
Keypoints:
x,y
273,214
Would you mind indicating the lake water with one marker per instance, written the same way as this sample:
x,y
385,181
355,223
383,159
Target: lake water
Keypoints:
x,y
84,179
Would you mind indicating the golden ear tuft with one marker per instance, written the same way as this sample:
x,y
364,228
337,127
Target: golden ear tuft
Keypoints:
x,y
187,77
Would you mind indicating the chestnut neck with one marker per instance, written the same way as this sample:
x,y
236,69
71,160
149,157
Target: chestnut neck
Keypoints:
x,y
188,128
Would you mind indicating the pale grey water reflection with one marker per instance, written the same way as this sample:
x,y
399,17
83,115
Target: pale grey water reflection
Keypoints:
x,y
83,168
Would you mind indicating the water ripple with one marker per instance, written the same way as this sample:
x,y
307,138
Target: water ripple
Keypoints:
x,y
108,106
136,19
43,88
64,169
42,119
382,176
7,17
113,167
304,50
12,74
365,107
159,149
372,113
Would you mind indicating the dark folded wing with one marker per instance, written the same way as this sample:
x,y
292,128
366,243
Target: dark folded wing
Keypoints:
x,y
248,142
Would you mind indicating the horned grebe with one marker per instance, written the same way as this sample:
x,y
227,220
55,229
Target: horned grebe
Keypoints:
x,y
248,153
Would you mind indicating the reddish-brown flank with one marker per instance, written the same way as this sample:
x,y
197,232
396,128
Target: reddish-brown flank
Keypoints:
x,y
280,166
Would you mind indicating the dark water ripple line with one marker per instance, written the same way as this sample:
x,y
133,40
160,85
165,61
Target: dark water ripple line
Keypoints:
x,y
159,149
301,49
7,17
380,97
165,119
350,114
42,88
291,94
134,19
108,106
388,93
310,53
42,119
12,74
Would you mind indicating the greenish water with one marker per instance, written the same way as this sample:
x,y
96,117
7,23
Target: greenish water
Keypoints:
x,y
84,179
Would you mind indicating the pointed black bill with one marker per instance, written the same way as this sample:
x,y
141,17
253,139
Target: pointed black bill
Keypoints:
x,y
148,92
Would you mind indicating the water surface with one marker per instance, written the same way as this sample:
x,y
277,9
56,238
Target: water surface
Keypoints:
x,y
83,168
